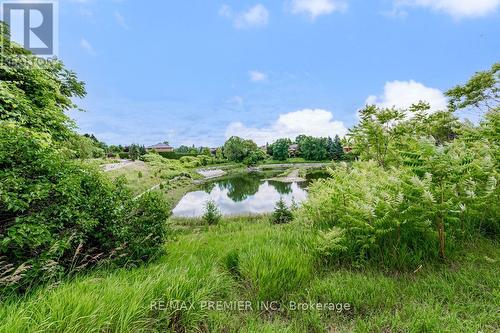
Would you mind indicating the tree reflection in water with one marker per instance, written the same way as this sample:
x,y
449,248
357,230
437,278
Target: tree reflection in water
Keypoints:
x,y
242,194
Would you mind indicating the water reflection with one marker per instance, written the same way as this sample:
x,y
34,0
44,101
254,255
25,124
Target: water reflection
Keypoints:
x,y
240,195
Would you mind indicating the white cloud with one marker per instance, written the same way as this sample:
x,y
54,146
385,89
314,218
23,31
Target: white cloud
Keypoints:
x,y
315,8
315,122
256,76
455,8
85,44
256,16
237,100
403,94
120,19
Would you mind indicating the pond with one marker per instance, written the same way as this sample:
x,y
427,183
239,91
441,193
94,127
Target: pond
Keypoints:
x,y
242,194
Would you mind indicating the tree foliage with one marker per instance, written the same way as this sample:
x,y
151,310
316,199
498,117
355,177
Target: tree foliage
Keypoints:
x,y
282,213
426,183
482,90
238,150
280,149
58,215
36,94
335,149
312,148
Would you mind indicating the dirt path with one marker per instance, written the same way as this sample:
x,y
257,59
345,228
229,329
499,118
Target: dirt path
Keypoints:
x,y
116,166
211,173
292,177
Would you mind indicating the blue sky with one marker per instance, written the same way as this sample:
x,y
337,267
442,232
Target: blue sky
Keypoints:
x,y
195,72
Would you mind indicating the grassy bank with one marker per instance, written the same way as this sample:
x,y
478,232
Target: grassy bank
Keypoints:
x,y
248,259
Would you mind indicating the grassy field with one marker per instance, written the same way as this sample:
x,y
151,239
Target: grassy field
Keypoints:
x,y
247,259
139,176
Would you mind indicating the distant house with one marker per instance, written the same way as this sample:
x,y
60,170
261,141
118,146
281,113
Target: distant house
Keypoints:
x,y
293,149
160,148
347,149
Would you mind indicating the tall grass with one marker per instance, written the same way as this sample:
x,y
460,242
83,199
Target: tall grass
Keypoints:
x,y
247,258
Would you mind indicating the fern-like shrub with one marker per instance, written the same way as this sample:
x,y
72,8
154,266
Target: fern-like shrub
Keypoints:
x,y
211,214
361,212
441,196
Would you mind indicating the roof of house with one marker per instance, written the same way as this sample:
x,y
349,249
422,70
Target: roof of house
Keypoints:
x,y
159,145
293,146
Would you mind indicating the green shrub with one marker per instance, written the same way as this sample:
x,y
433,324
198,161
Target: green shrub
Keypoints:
x,y
59,215
123,155
396,217
190,161
282,214
143,228
175,155
362,213
212,214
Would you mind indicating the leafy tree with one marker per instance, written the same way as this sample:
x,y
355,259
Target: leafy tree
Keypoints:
x,y
313,149
182,149
482,90
219,154
81,146
254,157
206,151
375,136
237,149
135,151
280,149
425,182
57,214
96,141
36,95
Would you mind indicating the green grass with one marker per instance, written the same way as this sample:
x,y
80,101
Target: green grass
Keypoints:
x,y
140,176
246,258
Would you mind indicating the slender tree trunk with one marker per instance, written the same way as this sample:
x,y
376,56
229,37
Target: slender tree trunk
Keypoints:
x,y
440,226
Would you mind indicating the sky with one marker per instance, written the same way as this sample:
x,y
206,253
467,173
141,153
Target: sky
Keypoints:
x,y
197,72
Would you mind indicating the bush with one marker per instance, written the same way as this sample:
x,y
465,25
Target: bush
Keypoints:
x,y
361,211
403,216
59,215
282,214
123,155
190,161
212,214
175,155
204,159
143,228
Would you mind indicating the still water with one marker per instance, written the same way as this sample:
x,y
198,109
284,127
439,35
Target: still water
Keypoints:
x,y
241,195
